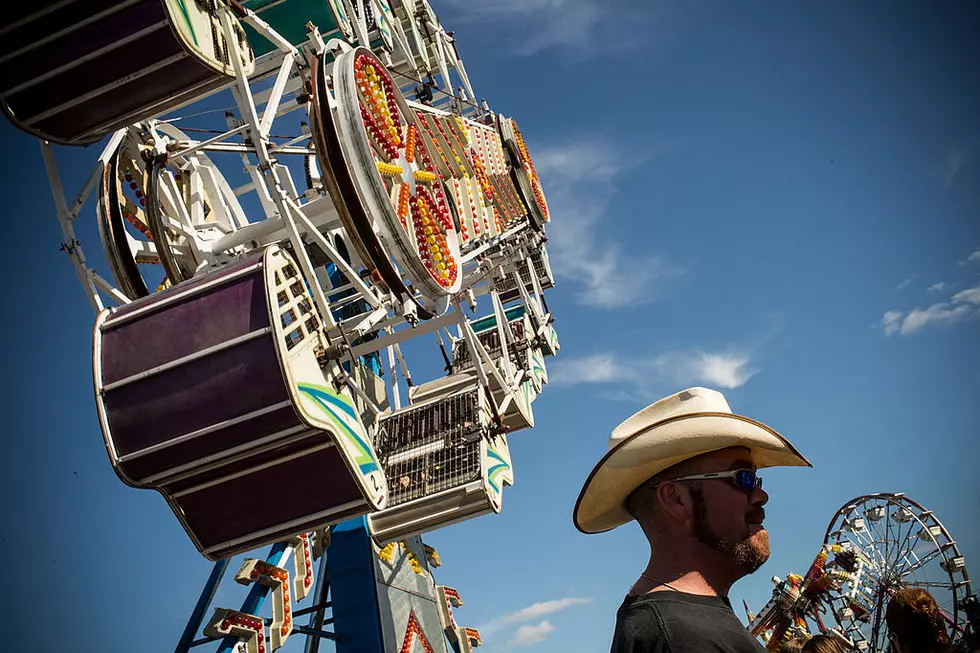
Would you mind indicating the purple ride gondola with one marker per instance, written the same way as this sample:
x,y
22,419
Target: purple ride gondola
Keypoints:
x,y
72,72
213,394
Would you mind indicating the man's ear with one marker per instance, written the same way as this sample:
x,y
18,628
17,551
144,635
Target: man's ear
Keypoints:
x,y
675,500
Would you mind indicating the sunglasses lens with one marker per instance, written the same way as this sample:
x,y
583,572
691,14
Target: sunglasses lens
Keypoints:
x,y
747,480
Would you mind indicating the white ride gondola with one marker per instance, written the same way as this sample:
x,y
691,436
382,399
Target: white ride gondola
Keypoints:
x,y
525,348
446,461
544,276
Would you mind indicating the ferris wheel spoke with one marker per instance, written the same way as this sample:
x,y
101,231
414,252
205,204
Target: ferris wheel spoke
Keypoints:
x,y
901,550
887,524
864,540
921,562
925,583
880,529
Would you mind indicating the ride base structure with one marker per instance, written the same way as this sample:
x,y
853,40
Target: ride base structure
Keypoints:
x,y
289,195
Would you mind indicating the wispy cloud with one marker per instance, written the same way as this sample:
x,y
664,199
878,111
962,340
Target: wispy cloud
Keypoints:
x,y
596,368
972,258
891,321
962,306
531,613
939,286
580,27
723,370
645,379
526,635
969,296
956,158
579,181
905,283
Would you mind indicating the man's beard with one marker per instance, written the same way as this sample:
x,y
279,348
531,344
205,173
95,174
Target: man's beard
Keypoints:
x,y
747,555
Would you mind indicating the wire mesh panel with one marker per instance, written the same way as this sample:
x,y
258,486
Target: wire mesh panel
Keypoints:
x,y
507,288
491,340
433,447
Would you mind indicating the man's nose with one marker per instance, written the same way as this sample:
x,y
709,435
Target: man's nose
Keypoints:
x,y
759,497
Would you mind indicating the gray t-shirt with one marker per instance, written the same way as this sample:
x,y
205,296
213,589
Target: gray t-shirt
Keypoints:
x,y
675,622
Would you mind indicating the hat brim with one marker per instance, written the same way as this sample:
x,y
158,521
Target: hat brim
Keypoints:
x,y
625,467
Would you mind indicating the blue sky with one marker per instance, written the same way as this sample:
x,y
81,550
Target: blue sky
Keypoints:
x,y
782,203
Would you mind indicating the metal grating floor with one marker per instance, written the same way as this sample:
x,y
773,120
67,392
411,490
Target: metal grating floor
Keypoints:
x,y
431,448
507,284
491,340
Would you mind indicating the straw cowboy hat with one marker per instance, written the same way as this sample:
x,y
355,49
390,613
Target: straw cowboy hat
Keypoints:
x,y
684,425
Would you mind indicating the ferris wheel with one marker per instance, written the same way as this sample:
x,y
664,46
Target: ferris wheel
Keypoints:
x,y
899,543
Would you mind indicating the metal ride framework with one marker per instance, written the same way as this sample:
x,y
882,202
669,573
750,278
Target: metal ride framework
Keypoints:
x,y
413,210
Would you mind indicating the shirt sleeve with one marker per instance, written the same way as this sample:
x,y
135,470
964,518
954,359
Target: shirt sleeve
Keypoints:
x,y
639,631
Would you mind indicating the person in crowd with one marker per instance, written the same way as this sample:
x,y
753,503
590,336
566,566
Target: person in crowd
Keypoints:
x,y
916,623
793,645
823,644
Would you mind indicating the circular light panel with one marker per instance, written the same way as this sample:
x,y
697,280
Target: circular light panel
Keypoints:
x,y
527,176
395,209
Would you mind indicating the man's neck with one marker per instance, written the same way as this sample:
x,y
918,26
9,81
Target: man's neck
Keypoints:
x,y
692,569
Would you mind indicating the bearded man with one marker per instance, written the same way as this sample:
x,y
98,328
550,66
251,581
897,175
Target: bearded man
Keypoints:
x,y
685,469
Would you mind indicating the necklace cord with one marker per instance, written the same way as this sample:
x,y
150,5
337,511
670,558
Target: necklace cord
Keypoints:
x,y
656,582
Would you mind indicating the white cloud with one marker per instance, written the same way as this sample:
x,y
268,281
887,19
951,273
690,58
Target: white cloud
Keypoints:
x,y
935,314
526,635
972,258
961,306
723,370
904,283
939,286
531,612
581,27
643,379
579,182
968,296
892,322
597,368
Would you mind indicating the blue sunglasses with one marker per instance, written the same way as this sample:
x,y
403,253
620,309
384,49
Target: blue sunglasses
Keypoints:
x,y
744,479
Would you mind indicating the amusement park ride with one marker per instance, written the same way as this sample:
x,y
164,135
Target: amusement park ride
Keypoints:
x,y
249,334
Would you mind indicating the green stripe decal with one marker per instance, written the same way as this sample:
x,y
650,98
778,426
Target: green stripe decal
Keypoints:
x,y
340,12
330,402
538,369
187,19
496,470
